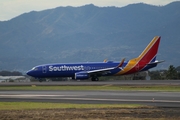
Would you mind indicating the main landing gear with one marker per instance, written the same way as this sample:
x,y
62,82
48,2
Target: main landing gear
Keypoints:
x,y
95,78
40,80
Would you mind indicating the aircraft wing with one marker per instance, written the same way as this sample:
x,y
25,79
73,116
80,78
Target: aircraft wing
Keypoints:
x,y
106,69
101,70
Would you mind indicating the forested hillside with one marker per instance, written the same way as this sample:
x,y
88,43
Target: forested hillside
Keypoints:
x,y
89,33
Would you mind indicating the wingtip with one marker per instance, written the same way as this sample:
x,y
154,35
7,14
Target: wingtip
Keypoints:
x,y
105,60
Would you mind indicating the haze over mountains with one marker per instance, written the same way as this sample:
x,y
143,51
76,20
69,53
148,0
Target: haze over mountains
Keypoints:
x,y
89,33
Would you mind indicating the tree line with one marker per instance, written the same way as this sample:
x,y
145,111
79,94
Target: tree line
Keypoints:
x,y
173,73
10,73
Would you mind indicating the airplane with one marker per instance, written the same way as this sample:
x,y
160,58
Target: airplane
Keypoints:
x,y
80,71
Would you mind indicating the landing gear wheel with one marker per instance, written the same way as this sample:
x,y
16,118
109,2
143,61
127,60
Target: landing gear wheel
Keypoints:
x,y
95,79
40,80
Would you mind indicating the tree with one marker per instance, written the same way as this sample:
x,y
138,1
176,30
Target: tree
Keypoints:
x,y
178,74
155,75
178,68
178,71
171,73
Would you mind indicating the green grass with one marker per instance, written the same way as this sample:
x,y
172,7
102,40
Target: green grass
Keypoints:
x,y
39,105
106,87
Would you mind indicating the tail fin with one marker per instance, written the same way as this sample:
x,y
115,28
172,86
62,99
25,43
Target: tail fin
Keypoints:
x,y
150,52
147,57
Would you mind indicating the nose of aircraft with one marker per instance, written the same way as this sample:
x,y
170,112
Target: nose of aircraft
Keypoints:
x,y
30,73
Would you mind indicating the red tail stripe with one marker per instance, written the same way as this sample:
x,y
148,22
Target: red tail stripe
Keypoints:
x,y
146,58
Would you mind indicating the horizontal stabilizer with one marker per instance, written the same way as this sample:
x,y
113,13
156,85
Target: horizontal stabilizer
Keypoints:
x,y
156,62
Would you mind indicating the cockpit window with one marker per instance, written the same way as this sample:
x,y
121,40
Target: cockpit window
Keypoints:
x,y
35,68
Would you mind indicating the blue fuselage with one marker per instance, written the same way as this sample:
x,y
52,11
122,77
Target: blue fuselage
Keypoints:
x,y
68,70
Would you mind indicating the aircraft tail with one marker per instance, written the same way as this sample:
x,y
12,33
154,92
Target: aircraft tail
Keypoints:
x,y
149,54
146,60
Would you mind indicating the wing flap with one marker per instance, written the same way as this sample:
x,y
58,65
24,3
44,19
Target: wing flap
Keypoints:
x,y
101,70
107,69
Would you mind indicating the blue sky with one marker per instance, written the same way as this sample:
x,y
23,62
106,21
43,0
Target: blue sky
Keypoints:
x,y
12,8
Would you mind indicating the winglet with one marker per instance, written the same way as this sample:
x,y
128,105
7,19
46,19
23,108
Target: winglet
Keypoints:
x,y
121,63
105,60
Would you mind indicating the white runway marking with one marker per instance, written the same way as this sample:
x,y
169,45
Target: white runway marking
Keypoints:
x,y
37,95
119,100
63,97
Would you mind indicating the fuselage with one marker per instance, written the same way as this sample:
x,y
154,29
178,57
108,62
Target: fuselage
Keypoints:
x,y
69,69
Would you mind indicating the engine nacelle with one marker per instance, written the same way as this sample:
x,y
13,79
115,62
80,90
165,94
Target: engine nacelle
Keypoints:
x,y
81,75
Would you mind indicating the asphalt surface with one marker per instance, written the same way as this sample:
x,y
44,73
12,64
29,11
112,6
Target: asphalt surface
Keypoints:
x,y
115,82
159,99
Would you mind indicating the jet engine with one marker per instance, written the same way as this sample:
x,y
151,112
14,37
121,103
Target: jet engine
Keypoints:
x,y
81,75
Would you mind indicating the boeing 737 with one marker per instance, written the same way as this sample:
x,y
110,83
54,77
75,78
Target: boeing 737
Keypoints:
x,y
79,71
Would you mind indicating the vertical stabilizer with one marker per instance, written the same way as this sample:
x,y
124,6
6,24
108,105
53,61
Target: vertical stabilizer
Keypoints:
x,y
150,52
148,56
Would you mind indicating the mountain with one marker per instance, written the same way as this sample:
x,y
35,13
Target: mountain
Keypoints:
x,y
89,33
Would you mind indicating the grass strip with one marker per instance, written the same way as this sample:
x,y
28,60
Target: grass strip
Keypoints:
x,y
42,105
105,87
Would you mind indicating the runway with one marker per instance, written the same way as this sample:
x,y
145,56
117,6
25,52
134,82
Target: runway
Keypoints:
x,y
159,99
114,82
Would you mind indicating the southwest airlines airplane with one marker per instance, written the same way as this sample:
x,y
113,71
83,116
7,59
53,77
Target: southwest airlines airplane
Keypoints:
x,y
93,70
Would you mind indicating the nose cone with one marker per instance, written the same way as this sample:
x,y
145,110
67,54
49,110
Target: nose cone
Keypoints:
x,y
30,73
35,72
